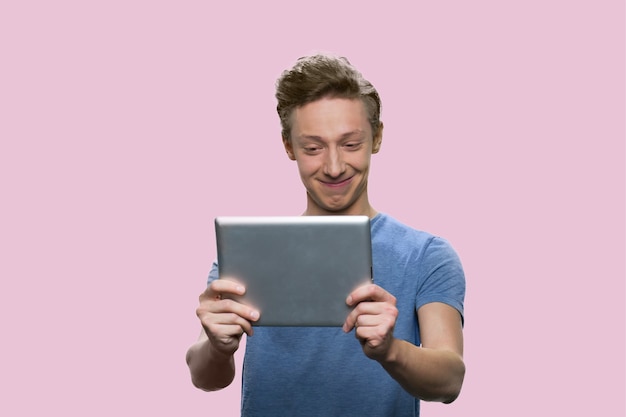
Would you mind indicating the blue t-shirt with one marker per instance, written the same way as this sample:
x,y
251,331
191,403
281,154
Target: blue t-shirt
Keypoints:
x,y
322,371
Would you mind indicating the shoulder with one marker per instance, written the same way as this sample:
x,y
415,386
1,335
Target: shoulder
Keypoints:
x,y
390,232
391,236
383,225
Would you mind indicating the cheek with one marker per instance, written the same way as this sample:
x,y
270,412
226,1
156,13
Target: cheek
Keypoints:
x,y
307,166
360,162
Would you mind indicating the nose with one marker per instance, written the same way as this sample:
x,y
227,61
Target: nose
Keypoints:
x,y
334,165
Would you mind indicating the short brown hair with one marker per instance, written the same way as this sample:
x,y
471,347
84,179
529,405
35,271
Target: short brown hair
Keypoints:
x,y
319,76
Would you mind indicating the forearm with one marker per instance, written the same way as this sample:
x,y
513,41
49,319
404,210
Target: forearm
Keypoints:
x,y
429,374
210,370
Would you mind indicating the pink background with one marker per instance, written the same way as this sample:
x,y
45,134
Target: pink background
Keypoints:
x,y
127,126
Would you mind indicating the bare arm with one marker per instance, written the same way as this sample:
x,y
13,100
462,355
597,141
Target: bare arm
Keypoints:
x,y
210,370
432,372
435,371
211,359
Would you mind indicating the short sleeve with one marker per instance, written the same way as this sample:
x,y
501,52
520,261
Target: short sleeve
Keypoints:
x,y
213,273
444,279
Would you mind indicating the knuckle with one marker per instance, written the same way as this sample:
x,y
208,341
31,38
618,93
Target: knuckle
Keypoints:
x,y
371,289
372,344
202,310
211,328
392,311
228,304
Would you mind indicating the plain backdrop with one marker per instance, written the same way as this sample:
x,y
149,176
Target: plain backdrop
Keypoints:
x,y
127,126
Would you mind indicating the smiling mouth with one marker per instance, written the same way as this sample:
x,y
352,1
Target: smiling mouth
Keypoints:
x,y
337,184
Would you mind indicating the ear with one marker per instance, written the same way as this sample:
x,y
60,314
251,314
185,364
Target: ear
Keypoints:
x,y
378,139
289,148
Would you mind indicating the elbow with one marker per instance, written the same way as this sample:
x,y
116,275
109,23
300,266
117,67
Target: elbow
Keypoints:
x,y
453,388
450,397
199,384
445,395
203,385
449,390
205,381
207,376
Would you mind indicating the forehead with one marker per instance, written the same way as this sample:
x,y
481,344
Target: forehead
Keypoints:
x,y
329,117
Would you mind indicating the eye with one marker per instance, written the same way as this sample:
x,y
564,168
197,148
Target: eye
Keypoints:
x,y
312,149
352,145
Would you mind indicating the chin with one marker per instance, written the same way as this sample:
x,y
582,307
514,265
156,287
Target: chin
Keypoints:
x,y
336,209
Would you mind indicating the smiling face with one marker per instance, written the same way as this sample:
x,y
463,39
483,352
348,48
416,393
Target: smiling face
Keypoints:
x,y
332,142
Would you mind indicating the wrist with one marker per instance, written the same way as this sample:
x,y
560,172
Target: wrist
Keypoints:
x,y
216,354
393,354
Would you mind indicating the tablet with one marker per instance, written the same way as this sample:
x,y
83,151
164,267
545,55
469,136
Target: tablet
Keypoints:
x,y
298,270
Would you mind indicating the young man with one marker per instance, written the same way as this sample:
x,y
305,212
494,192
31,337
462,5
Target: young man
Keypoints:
x,y
407,340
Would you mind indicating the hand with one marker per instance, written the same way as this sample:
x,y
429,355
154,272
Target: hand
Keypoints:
x,y
225,320
373,319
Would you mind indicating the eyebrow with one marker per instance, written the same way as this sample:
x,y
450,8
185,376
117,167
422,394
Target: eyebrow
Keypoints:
x,y
346,135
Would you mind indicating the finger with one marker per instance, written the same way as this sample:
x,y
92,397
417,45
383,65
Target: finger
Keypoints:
x,y
367,320
357,319
371,308
220,325
226,338
353,316
244,325
371,314
369,292
227,319
231,326
372,337
350,322
223,332
374,333
211,299
225,286
228,306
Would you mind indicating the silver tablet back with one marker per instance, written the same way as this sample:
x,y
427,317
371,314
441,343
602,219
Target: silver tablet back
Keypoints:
x,y
298,270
